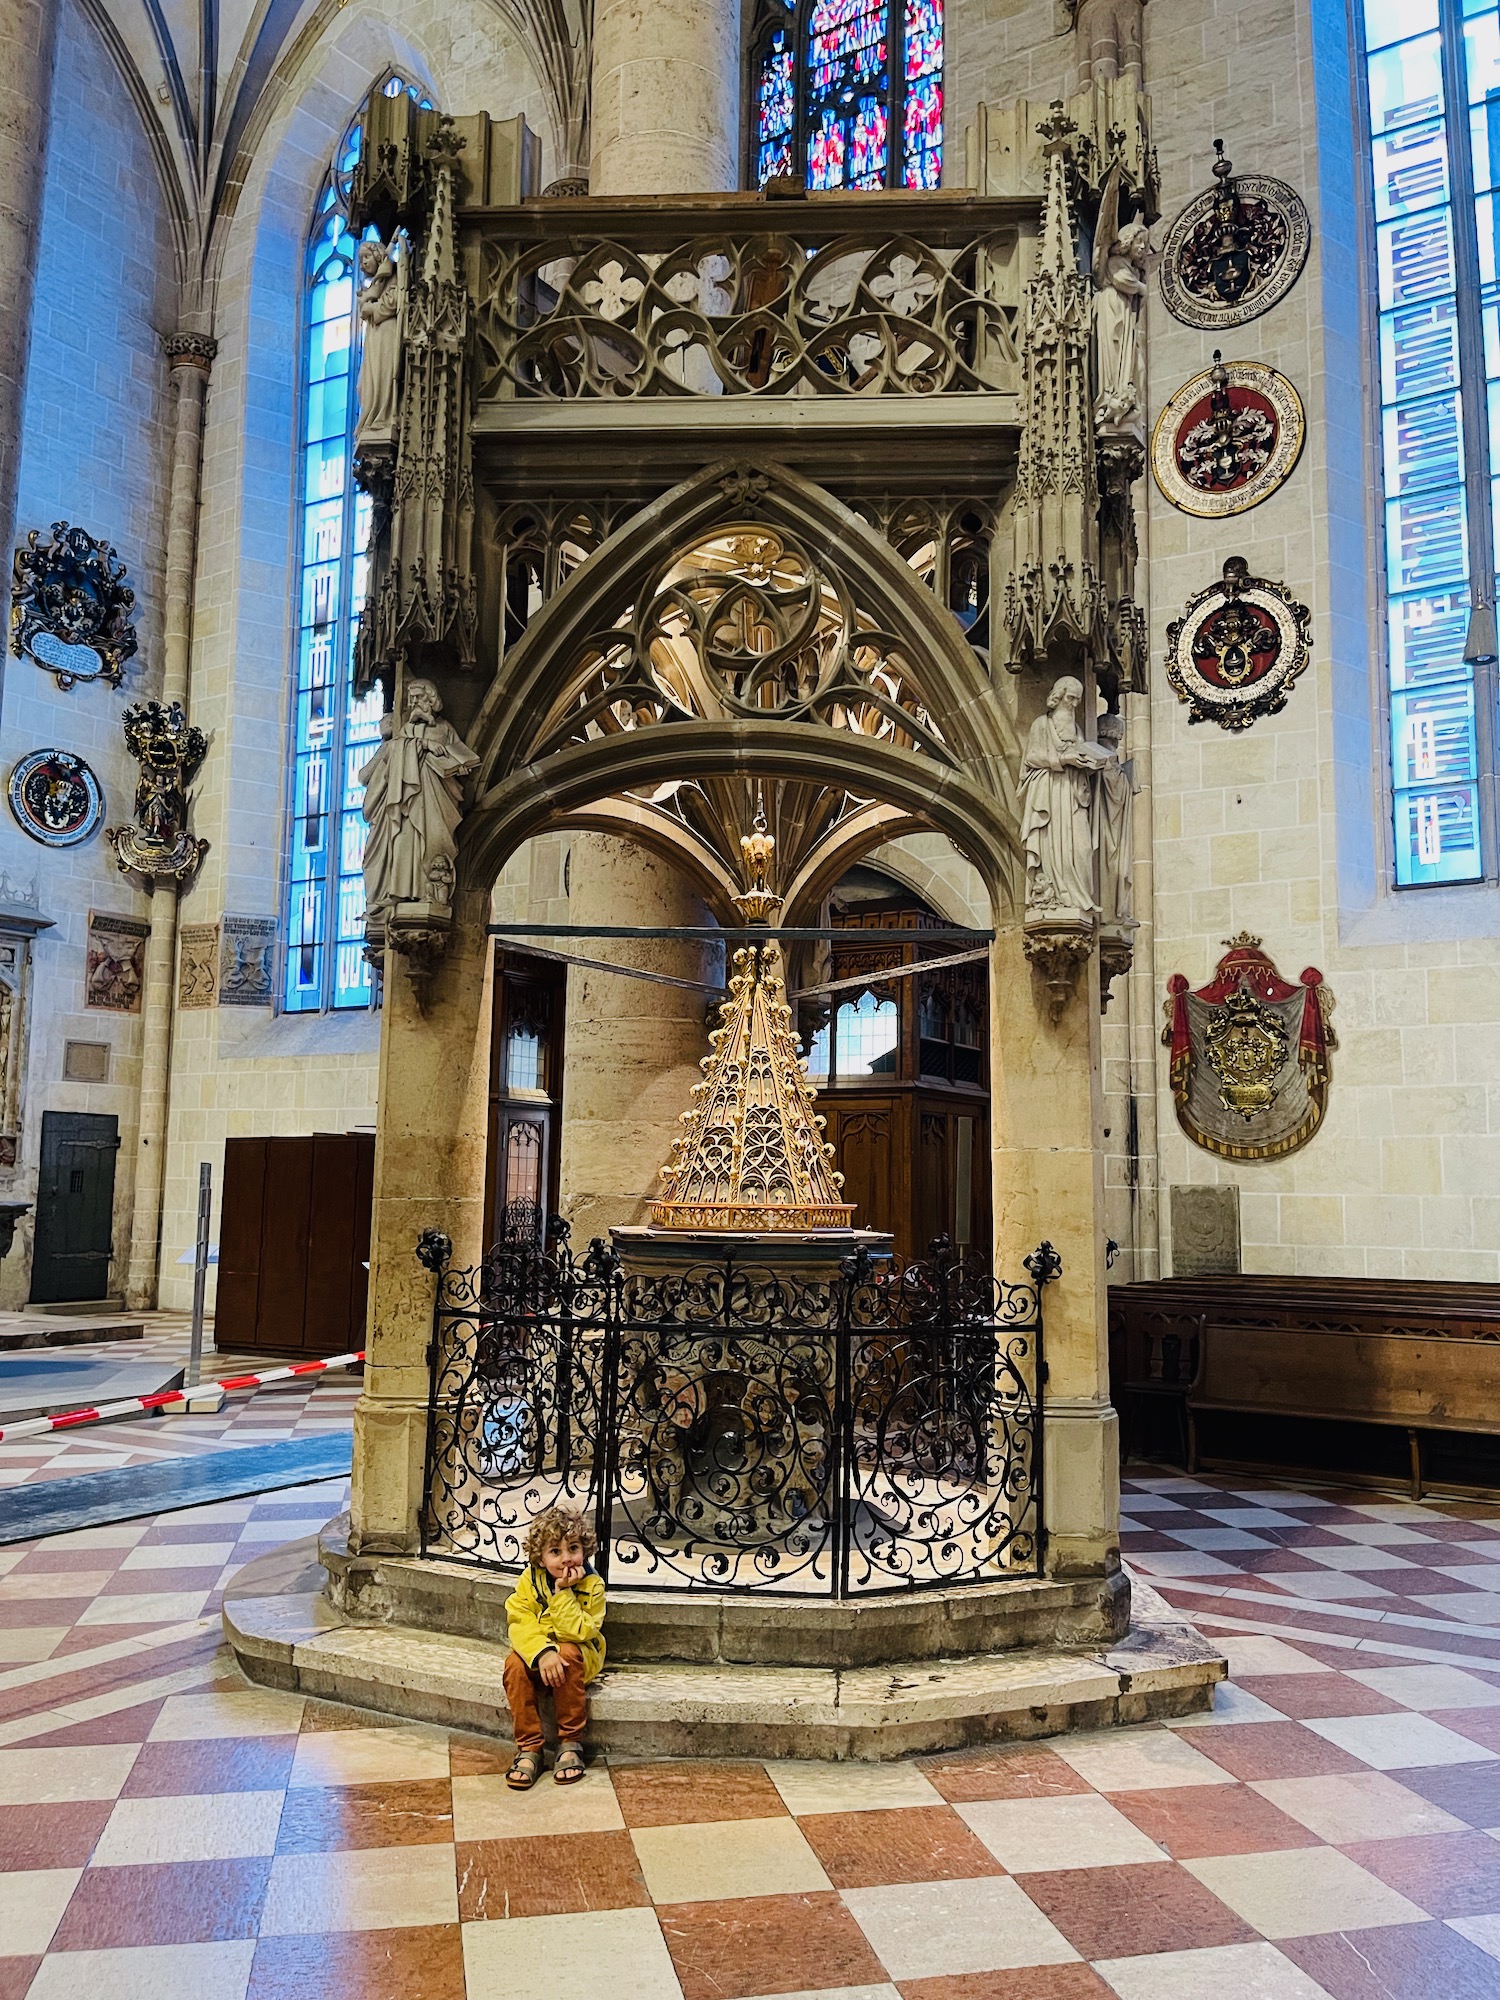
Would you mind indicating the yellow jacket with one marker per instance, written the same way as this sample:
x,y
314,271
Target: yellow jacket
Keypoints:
x,y
540,1616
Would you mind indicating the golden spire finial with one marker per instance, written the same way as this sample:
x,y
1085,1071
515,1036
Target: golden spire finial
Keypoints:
x,y
751,1155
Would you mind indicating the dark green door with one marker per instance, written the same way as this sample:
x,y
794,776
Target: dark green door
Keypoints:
x,y
75,1201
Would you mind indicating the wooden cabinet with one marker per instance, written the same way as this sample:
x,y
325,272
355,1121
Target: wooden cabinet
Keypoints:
x,y
294,1240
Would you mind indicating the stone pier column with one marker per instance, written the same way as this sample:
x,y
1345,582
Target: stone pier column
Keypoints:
x,y
664,119
190,356
665,105
633,1048
28,58
429,1174
1046,1119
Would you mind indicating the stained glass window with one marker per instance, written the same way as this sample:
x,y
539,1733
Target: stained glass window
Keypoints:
x,y
334,734
838,105
1435,168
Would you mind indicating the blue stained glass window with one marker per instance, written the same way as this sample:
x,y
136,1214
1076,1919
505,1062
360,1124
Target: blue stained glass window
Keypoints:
x,y
1425,408
869,115
334,734
776,109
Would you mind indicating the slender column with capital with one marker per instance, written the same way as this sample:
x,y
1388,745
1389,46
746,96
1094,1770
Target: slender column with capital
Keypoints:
x,y
28,58
190,356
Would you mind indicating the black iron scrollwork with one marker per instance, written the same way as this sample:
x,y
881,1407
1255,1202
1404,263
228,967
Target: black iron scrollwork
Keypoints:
x,y
1044,1263
434,1251
736,1428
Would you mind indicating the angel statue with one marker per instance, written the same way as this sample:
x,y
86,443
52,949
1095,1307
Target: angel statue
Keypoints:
x,y
382,319
1123,261
1058,775
412,805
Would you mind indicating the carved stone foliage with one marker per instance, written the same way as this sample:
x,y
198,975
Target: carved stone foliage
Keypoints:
x,y
742,310
1237,648
1054,599
1251,1055
1235,250
71,606
746,623
1227,439
170,749
422,590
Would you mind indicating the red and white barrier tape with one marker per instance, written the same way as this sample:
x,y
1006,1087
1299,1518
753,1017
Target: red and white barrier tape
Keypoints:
x,y
34,1426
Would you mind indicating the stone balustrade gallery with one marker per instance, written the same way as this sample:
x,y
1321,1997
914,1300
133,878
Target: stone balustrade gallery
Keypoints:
x,y
653,299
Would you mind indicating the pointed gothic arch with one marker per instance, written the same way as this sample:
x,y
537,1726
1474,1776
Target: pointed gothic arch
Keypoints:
x,y
747,625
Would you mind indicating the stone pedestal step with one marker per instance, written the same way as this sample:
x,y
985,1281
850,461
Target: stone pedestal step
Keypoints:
x,y
285,1634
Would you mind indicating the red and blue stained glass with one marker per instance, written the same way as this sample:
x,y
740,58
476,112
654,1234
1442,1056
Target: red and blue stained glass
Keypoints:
x,y
850,95
775,109
848,78
922,111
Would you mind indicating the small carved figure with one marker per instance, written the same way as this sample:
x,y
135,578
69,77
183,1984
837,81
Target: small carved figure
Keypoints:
x,y
413,804
1112,823
1058,774
380,316
1123,261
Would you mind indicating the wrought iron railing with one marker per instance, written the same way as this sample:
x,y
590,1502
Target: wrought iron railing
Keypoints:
x,y
735,1428
748,299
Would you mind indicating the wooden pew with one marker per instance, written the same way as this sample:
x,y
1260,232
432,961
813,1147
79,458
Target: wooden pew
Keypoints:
x,y
1419,1356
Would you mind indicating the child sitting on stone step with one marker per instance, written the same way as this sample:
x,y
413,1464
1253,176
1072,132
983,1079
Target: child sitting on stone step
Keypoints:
x,y
556,1622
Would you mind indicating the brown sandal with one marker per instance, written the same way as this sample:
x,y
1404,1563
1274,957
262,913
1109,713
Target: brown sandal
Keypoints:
x,y
525,1769
570,1766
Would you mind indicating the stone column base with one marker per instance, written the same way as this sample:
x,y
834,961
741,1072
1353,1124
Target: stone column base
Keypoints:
x,y
286,1634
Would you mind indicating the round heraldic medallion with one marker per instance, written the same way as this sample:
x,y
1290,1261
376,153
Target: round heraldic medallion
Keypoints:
x,y
1227,439
1235,250
55,797
1237,648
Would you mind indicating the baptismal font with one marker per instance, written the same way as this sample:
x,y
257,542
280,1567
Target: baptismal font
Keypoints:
x,y
742,1271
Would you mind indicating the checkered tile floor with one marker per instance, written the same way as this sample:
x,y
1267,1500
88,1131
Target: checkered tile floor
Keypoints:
x,y
1333,1829
263,1416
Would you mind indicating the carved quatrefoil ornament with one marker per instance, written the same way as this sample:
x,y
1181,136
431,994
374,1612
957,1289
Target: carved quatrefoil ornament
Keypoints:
x,y
1237,648
71,606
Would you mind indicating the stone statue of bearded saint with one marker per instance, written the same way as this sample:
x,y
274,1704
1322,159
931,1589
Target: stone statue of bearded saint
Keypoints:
x,y
380,318
1058,775
413,803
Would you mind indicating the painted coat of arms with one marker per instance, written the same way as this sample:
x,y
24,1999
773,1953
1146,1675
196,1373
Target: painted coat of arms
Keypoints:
x,y
1237,648
1250,1063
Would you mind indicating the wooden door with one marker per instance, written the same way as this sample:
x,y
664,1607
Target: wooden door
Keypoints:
x,y
75,1202
294,1240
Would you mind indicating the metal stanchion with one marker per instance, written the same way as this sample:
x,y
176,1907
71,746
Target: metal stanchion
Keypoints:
x,y
193,1398
200,1273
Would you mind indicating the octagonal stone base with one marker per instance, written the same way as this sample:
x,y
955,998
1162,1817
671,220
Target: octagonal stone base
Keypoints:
x,y
288,1632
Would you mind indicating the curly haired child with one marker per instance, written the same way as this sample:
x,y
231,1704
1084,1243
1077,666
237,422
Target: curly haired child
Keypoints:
x,y
556,1623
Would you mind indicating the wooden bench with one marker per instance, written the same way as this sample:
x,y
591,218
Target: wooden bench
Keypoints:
x,y
1405,1353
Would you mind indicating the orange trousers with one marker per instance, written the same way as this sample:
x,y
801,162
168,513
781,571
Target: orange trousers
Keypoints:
x,y
522,1686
